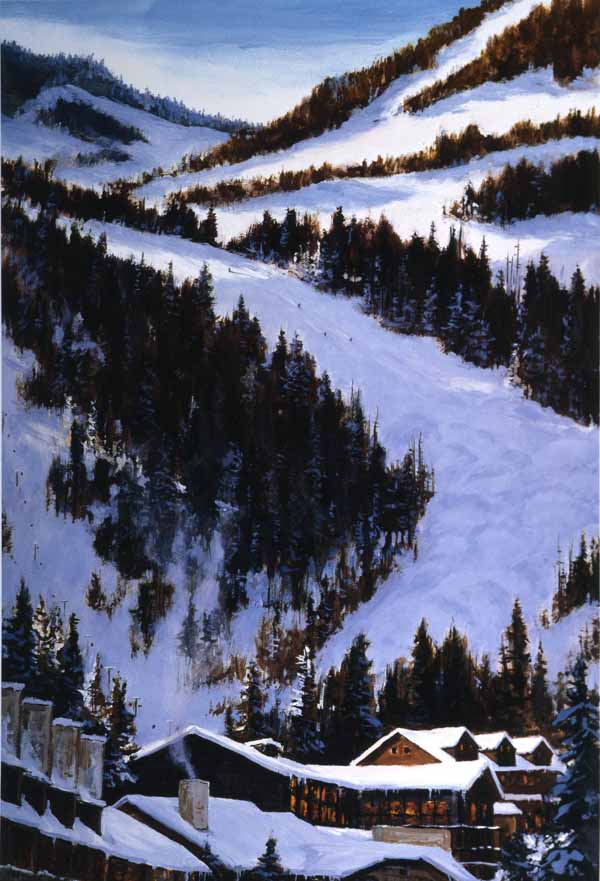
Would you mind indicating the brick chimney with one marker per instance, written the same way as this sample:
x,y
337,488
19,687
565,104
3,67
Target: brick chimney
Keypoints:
x,y
91,766
11,717
36,725
65,752
193,802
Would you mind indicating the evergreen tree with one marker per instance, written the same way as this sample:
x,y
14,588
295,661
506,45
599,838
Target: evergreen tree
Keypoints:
x,y
46,681
95,596
303,739
573,853
120,743
95,701
189,634
251,707
457,697
69,697
423,698
360,726
18,640
541,700
515,859
269,867
519,670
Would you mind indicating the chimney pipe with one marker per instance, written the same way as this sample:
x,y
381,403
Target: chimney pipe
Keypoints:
x,y
193,802
36,723
11,717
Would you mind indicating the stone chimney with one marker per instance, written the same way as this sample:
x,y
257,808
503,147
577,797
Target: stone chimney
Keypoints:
x,y
193,802
91,766
65,752
36,725
11,717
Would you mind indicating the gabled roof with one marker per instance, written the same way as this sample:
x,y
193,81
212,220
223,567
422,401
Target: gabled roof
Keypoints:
x,y
434,741
264,741
305,850
493,740
525,745
446,775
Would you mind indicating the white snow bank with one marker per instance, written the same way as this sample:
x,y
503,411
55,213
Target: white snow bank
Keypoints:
x,y
304,849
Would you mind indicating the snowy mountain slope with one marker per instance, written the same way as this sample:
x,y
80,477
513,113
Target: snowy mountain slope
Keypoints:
x,y
413,201
373,132
512,479
167,141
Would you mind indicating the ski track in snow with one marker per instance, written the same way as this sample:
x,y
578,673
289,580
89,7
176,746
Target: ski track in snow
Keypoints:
x,y
512,479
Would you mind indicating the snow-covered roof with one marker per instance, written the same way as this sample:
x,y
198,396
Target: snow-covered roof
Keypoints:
x,y
492,740
506,809
122,836
304,849
67,723
446,775
264,741
435,741
37,701
525,745
14,686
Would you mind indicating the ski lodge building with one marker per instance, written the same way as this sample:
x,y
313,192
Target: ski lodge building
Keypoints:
x,y
417,805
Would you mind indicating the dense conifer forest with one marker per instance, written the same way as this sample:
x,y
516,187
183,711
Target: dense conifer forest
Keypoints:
x,y
335,719
447,150
565,36
26,73
85,122
545,333
521,191
416,286
148,369
332,102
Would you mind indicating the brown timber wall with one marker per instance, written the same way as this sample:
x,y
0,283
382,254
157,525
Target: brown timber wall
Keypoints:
x,y
26,848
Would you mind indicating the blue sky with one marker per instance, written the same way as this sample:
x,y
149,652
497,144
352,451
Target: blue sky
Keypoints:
x,y
239,57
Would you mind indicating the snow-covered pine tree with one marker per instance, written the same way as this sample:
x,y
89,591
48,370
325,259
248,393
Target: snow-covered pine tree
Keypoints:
x,y
516,859
18,640
269,867
45,682
360,725
69,695
120,743
95,702
573,853
251,706
303,739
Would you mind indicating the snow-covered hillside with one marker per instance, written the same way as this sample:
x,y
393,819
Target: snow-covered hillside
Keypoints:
x,y
512,479
167,142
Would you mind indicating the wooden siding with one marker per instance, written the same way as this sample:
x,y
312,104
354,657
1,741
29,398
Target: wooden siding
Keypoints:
x,y
399,750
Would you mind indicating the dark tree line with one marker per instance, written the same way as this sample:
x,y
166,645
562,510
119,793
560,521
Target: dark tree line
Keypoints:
x,y
576,582
570,845
87,123
184,421
547,334
112,205
42,654
332,101
336,718
447,685
446,150
39,652
26,73
521,191
565,36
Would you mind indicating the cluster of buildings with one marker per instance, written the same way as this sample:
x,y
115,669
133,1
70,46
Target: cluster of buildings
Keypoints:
x,y
420,805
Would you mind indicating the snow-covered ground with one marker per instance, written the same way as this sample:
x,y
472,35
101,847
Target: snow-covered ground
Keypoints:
x,y
512,479
413,201
166,143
